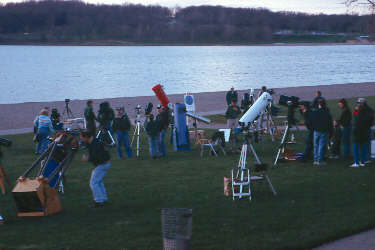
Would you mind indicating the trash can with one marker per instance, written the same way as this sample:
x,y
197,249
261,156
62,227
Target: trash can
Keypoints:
x,y
176,228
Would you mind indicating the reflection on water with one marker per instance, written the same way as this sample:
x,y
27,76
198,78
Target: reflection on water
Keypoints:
x,y
49,73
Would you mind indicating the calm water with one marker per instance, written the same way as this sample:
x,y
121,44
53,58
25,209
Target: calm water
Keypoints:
x,y
38,73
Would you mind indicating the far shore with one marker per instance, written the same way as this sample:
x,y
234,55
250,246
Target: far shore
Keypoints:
x,y
18,118
126,44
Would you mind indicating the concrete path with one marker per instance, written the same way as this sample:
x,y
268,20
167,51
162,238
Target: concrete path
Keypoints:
x,y
361,241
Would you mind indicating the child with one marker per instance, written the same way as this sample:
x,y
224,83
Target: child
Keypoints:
x,y
336,140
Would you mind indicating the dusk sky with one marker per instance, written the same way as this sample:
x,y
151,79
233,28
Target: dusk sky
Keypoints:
x,y
310,6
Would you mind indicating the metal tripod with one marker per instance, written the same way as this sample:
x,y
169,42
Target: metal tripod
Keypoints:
x,y
67,111
137,132
282,144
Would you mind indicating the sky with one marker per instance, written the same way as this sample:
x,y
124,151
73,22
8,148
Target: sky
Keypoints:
x,y
309,6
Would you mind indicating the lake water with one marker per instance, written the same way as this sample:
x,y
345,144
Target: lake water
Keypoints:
x,y
50,73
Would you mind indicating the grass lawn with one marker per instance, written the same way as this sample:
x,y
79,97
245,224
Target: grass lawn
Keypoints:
x,y
314,205
335,110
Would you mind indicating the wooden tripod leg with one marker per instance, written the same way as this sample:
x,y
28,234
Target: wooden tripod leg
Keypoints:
x,y
2,186
2,172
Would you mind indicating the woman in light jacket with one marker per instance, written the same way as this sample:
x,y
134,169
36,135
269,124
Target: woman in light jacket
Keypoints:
x,y
42,129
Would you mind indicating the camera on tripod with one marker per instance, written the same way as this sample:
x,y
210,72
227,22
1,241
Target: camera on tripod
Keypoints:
x,y
67,101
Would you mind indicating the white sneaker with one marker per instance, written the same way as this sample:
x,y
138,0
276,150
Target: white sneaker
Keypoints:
x,y
361,164
354,165
316,163
368,162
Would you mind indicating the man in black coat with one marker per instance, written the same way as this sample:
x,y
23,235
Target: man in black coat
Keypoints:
x,y
121,126
317,99
232,95
163,119
90,117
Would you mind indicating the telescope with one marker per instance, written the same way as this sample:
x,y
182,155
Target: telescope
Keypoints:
x,y
198,117
256,109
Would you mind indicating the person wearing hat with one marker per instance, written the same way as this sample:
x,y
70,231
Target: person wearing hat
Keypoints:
x,y
163,119
232,95
121,126
361,133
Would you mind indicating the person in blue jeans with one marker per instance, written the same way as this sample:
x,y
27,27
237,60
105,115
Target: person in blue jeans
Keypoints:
x,y
345,121
322,125
42,129
153,131
121,126
100,158
163,120
361,133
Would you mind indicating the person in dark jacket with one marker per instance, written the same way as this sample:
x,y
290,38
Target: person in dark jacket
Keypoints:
x,y
317,99
55,118
245,103
336,140
121,126
231,115
371,117
345,121
106,116
152,128
100,158
232,95
361,134
90,117
322,125
163,119
309,142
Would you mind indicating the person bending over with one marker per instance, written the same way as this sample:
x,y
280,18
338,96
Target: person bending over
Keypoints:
x,y
346,124
153,131
100,158
322,125
121,127
42,129
90,117
232,95
163,119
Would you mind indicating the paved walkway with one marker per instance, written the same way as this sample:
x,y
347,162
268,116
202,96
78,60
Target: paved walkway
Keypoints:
x,y
361,241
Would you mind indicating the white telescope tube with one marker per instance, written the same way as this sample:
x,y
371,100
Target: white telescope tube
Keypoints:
x,y
256,109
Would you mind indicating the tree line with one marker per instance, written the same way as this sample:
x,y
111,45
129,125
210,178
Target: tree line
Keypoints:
x,y
69,21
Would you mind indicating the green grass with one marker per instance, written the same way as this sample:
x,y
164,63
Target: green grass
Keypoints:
x,y
332,104
314,205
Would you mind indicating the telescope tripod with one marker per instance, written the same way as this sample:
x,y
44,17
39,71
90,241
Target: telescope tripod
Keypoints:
x,y
67,111
283,143
104,131
242,179
137,132
3,176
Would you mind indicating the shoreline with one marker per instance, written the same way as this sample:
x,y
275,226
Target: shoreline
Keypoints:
x,y
104,44
18,118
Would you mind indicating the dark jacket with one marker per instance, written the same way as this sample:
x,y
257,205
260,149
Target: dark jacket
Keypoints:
x,y
245,103
361,126
163,119
321,121
98,155
345,118
316,102
307,116
89,115
231,96
105,115
232,113
121,124
152,128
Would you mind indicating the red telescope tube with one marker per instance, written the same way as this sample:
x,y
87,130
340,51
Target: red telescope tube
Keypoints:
x,y
160,94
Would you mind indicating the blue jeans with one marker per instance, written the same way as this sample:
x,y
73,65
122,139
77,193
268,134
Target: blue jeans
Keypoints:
x,y
162,143
154,145
320,142
122,138
97,184
360,153
42,144
346,134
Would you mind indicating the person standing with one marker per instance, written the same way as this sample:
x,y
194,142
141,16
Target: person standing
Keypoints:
x,y
42,129
309,142
90,117
153,131
106,116
232,113
323,126
336,140
345,121
232,95
361,134
163,119
100,158
121,126
371,116
317,99
245,103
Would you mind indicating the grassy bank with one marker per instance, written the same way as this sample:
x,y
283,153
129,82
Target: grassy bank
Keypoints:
x,y
314,205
